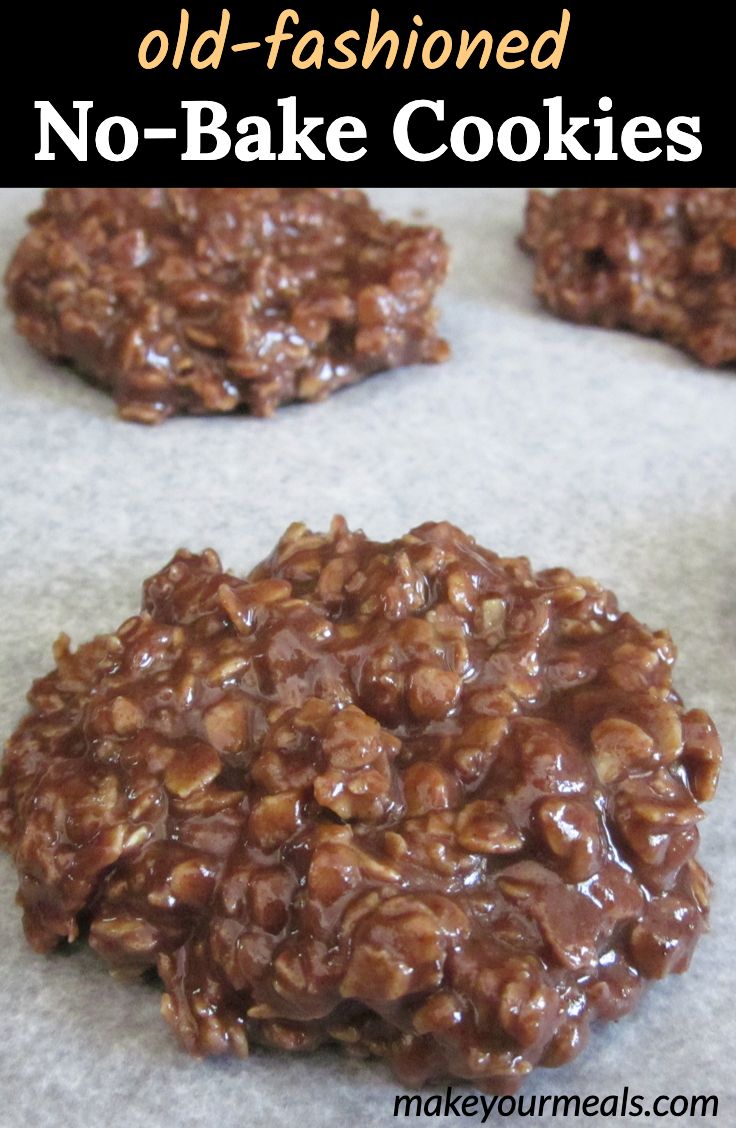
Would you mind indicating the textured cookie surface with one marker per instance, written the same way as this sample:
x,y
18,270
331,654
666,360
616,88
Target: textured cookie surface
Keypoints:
x,y
660,261
212,299
410,797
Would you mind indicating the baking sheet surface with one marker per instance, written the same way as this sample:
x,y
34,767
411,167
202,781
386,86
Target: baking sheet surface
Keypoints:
x,y
597,450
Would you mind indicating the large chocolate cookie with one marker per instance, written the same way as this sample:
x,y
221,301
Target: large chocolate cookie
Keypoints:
x,y
211,299
660,261
414,798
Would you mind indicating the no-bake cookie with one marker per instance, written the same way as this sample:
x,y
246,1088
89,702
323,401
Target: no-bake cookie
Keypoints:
x,y
212,299
413,798
660,261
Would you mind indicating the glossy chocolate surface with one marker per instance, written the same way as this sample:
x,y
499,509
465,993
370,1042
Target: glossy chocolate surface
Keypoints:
x,y
413,798
660,261
198,300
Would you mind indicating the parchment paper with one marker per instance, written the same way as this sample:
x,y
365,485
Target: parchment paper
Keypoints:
x,y
597,450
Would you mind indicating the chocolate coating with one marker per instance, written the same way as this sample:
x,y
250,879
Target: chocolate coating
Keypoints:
x,y
211,299
660,261
413,798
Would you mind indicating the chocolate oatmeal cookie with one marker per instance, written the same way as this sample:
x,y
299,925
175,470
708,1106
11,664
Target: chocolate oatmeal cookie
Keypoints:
x,y
660,261
211,299
413,798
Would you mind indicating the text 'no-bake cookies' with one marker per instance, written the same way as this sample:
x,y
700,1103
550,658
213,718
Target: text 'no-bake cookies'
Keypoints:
x,y
413,798
660,261
212,299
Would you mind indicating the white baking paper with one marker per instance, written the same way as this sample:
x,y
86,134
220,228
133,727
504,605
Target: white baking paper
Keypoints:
x,y
612,455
